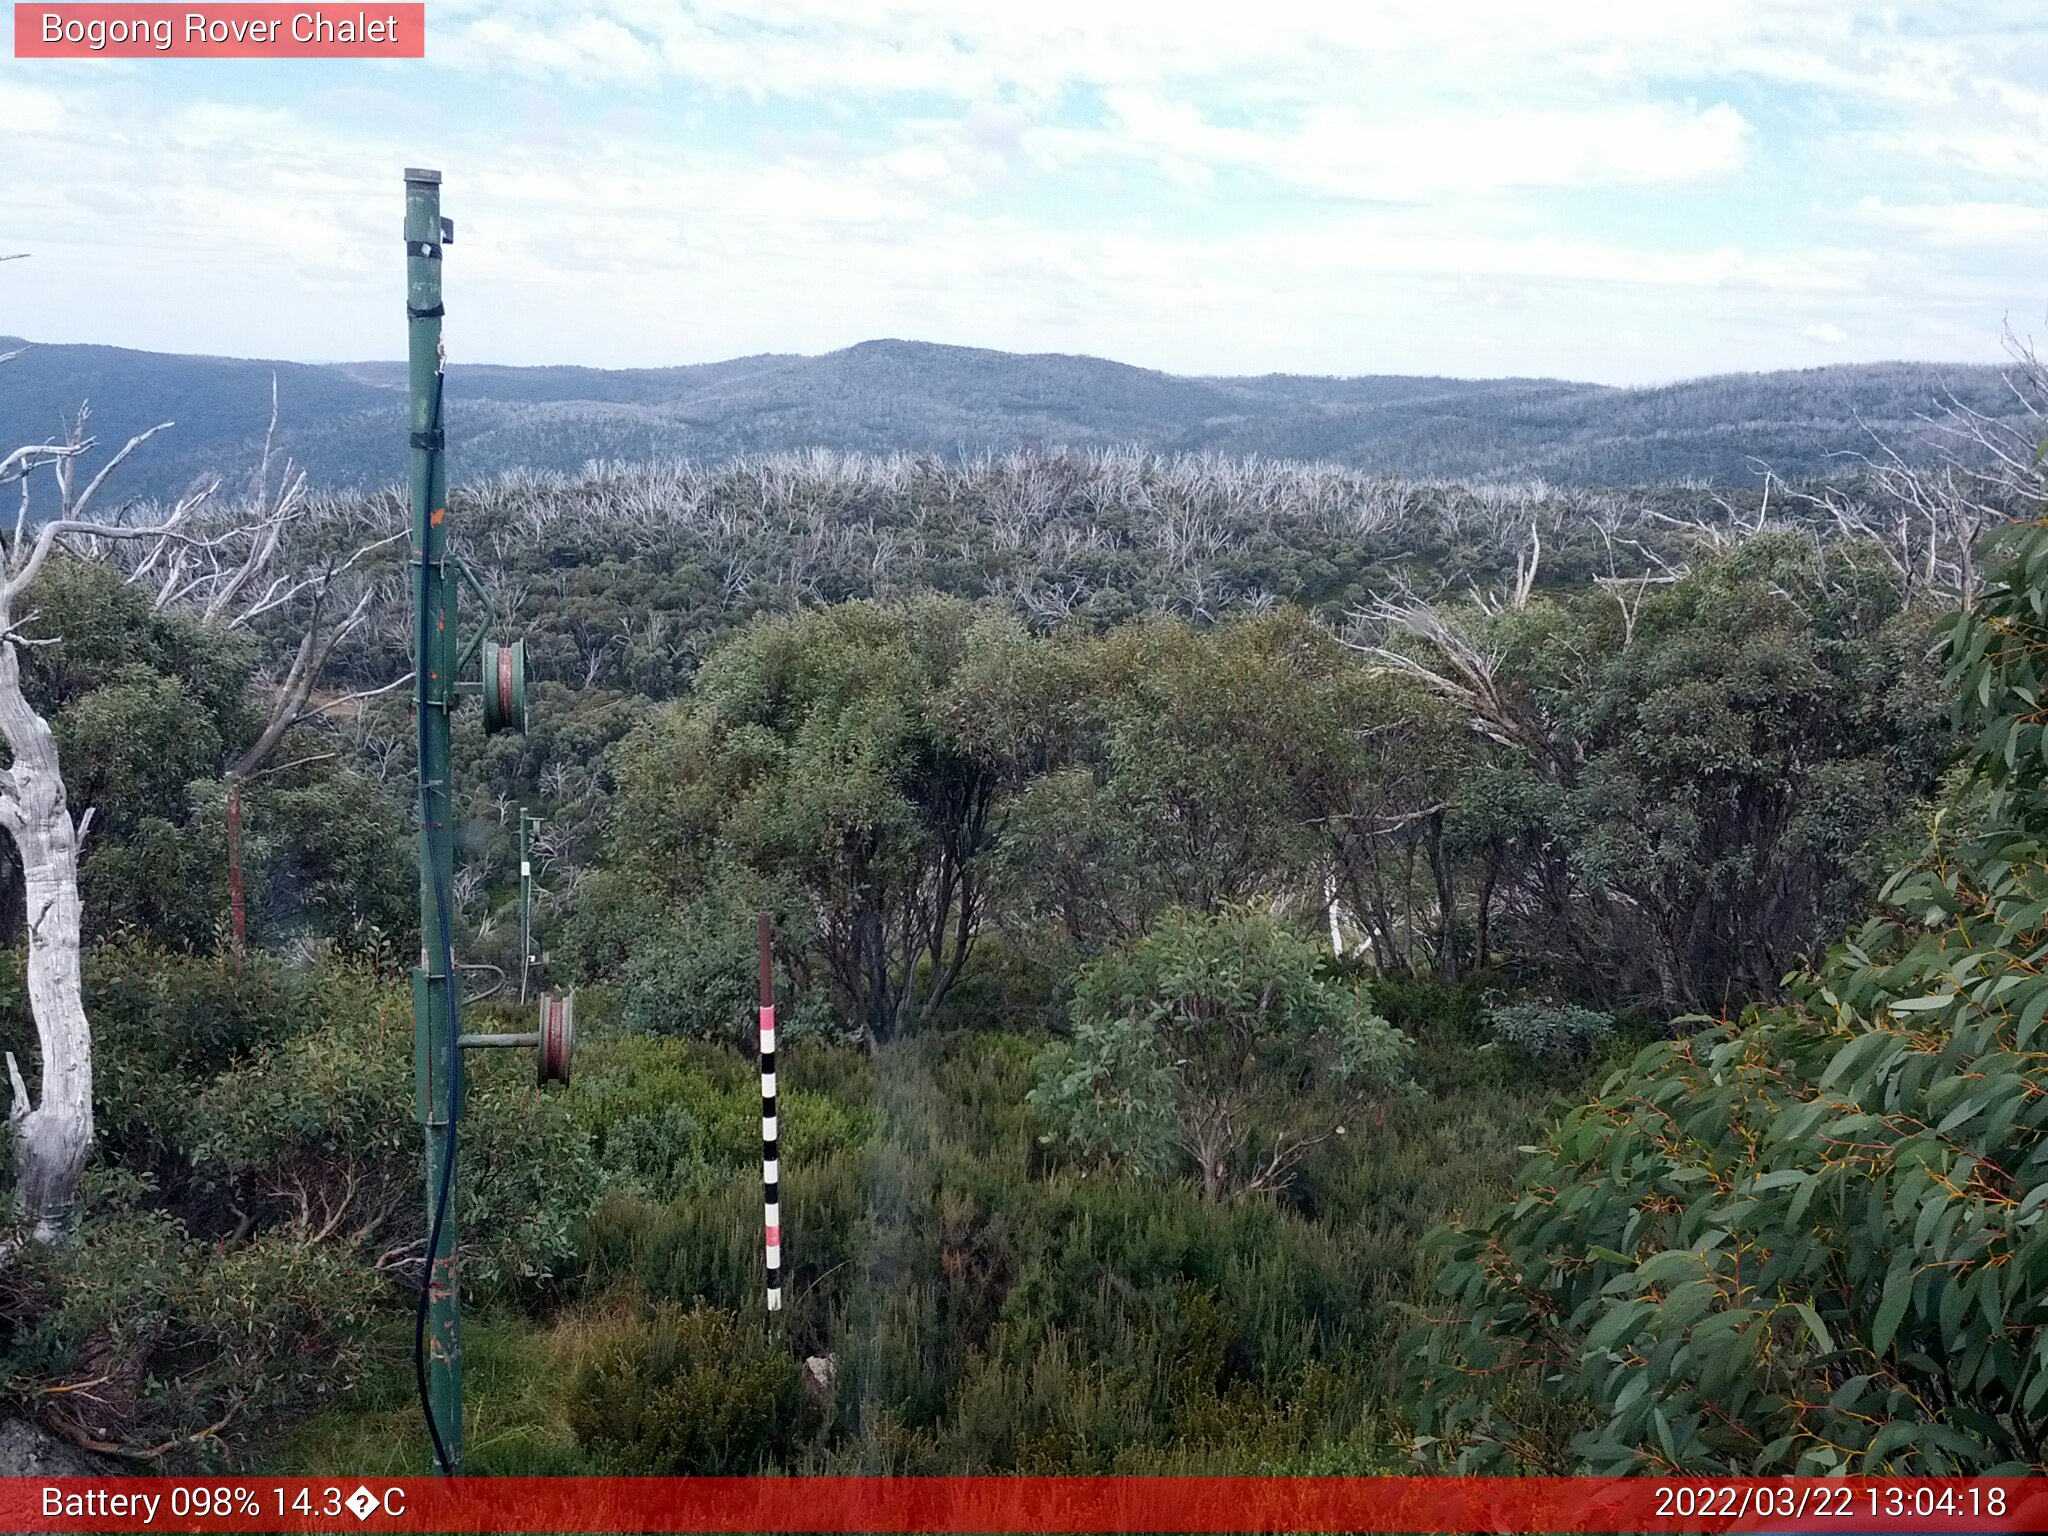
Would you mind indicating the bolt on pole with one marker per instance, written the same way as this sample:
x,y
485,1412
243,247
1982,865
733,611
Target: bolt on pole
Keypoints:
x,y
436,1057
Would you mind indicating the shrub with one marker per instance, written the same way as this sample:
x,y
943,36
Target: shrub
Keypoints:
x,y
690,1394
164,1024
1550,1032
1431,1012
685,967
529,1177
1214,1040
669,1115
313,1136
171,1348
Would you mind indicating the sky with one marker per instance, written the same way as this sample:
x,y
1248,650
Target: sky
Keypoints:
x,y
1625,191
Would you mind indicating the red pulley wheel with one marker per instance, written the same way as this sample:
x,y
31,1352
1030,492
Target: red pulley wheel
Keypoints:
x,y
503,686
557,1036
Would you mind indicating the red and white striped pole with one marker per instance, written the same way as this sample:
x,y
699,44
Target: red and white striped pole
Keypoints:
x,y
771,1171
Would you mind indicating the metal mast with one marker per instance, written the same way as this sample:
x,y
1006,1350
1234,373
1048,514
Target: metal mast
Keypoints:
x,y
437,1061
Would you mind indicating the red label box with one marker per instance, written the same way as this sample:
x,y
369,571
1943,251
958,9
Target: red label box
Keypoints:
x,y
1815,1506
367,29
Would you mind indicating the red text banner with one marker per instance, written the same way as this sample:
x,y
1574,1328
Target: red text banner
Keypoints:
x,y
262,31
1845,1506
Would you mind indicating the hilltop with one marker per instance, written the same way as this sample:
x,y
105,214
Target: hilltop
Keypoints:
x,y
344,421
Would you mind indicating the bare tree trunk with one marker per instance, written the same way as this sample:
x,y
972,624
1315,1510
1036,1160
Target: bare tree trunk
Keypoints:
x,y
237,908
53,1137
1482,942
53,1131
1447,957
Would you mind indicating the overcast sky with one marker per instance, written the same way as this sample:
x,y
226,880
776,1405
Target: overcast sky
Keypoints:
x,y
1627,191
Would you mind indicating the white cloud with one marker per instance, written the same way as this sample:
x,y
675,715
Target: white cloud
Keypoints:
x,y
971,48
680,253
1960,224
28,109
1605,188
1337,149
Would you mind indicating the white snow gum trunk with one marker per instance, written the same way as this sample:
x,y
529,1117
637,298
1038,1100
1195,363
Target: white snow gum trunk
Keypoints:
x,y
52,1134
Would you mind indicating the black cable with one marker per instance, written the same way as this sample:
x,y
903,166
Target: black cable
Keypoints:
x,y
447,958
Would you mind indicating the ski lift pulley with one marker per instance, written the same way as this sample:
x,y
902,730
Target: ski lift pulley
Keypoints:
x,y
553,1044
504,686
557,1036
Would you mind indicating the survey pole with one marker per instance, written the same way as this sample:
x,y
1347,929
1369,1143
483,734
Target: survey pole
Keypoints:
x,y
771,1143
436,1057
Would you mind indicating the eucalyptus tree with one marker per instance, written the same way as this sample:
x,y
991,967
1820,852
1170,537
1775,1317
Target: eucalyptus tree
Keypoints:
x,y
268,563
227,567
859,761
1808,1239
1200,768
1685,796
53,1127
1214,1042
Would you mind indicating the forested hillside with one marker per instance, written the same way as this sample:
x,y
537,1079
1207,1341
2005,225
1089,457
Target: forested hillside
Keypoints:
x,y
1195,882
343,422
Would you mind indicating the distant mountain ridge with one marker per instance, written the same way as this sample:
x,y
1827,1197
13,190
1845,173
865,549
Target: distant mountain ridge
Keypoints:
x,y
344,421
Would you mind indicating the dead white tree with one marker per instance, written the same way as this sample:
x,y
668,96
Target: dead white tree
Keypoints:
x,y
1927,515
1628,592
53,1128
1458,664
1458,661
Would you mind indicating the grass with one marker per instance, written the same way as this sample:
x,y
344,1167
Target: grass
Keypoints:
x,y
514,1415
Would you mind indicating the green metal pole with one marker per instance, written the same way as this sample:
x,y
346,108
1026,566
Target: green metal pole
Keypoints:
x,y
435,1027
526,825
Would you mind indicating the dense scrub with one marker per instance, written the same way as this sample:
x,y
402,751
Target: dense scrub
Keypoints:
x,y
255,1207
1809,1238
985,1303
1178,918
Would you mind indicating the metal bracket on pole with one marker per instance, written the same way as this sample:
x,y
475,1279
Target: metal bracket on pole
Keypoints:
x,y
490,618
555,1040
